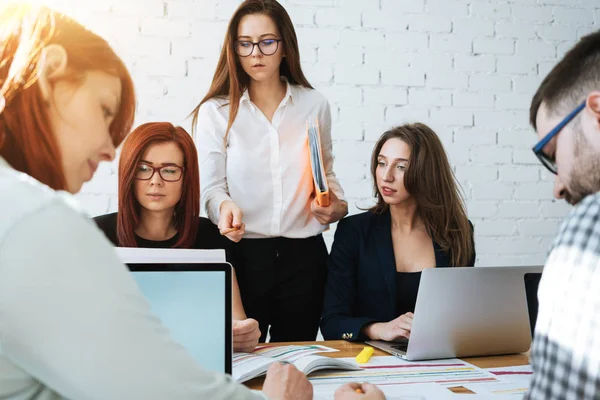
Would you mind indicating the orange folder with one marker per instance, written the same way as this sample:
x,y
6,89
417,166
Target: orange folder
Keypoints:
x,y
316,163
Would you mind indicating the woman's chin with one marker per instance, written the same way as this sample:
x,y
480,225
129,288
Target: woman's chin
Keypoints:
x,y
74,187
260,75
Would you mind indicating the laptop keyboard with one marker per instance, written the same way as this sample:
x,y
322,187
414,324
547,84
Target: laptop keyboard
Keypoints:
x,y
402,346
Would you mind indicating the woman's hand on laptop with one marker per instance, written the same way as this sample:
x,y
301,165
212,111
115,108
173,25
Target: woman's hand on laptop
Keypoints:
x,y
245,335
230,221
393,330
285,382
356,391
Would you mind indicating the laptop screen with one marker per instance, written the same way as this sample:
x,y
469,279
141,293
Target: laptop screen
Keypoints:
x,y
194,302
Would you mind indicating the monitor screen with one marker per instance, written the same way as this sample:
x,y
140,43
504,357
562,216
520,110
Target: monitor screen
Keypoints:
x,y
193,305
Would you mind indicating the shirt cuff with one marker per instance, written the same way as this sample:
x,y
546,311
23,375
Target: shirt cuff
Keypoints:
x,y
214,204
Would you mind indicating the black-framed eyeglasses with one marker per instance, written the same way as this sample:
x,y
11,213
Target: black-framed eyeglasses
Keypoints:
x,y
268,47
550,161
168,173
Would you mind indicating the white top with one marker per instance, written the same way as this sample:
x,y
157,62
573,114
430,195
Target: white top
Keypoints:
x,y
73,323
265,169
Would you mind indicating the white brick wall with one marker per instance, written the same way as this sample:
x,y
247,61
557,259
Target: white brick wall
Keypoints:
x,y
467,67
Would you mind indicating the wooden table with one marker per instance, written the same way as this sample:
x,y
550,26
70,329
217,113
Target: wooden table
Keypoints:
x,y
351,349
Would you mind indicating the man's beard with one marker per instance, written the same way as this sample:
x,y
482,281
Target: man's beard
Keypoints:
x,y
585,175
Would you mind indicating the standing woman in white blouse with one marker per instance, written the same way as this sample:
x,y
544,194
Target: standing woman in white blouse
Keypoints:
x,y
255,171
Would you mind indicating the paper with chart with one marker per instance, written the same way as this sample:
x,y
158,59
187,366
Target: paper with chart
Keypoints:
x,y
388,370
500,390
517,373
250,365
316,163
404,380
513,382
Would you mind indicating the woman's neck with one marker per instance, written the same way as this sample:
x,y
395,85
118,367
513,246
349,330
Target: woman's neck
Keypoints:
x,y
269,92
156,225
405,217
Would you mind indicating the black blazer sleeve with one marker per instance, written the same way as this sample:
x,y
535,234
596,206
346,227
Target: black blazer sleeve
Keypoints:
x,y
341,294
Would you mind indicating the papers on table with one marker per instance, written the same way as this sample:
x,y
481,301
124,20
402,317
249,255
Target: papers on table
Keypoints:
x,y
404,380
416,391
513,383
412,380
389,370
250,365
522,373
501,390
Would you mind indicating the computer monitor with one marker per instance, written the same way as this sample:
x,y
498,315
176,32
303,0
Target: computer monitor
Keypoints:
x,y
532,284
193,301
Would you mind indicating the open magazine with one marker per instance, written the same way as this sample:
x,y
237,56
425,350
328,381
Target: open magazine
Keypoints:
x,y
251,365
316,163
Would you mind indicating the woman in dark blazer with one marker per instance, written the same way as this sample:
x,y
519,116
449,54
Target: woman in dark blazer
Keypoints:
x,y
377,257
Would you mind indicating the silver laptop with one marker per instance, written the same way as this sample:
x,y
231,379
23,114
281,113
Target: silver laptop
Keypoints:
x,y
464,312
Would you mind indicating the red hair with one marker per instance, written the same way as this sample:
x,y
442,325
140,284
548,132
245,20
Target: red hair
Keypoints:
x,y
27,141
187,209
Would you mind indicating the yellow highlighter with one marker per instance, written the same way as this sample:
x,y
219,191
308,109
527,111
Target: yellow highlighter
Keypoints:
x,y
364,355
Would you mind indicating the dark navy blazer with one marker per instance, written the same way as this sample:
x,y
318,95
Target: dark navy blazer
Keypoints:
x,y
361,281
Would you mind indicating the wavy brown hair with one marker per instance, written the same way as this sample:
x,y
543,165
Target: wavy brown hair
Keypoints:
x,y
26,138
431,182
230,80
187,209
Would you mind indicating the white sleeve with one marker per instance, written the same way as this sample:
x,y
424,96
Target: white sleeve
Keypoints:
x,y
212,157
327,148
72,316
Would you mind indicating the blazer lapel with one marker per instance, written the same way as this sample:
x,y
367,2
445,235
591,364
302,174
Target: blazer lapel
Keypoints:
x,y
385,250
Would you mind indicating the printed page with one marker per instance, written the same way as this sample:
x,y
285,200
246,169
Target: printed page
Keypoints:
x,y
290,353
389,370
247,366
309,364
250,365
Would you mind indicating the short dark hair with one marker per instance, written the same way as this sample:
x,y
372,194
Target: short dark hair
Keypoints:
x,y
571,79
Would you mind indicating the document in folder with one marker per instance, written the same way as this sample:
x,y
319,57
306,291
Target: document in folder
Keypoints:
x,y
316,163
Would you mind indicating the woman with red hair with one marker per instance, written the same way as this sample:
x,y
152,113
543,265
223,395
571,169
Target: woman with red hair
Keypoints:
x,y
73,322
159,193
159,206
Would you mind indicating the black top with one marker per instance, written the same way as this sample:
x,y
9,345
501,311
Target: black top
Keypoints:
x,y
208,236
362,282
407,287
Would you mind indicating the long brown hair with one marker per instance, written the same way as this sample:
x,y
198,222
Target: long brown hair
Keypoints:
x,y
230,80
187,209
431,182
27,141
